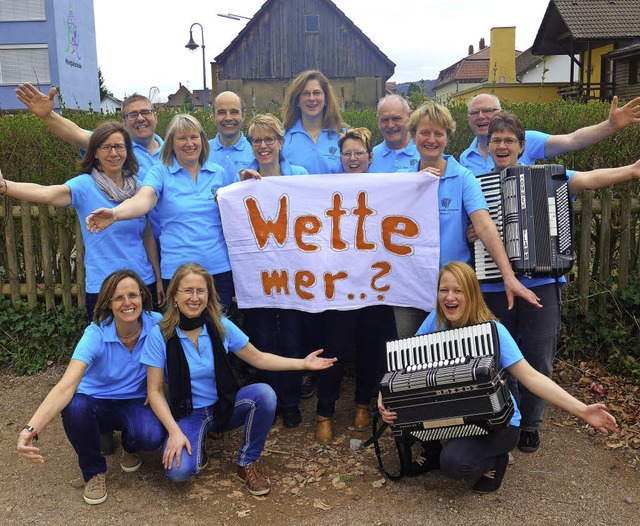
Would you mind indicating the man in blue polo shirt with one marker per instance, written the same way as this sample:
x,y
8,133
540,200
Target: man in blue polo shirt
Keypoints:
x,y
481,108
397,153
230,148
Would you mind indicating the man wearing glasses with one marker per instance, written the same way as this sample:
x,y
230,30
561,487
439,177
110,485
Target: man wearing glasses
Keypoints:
x,y
538,145
397,153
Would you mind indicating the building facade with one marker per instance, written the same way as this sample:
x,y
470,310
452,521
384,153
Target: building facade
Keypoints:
x,y
49,43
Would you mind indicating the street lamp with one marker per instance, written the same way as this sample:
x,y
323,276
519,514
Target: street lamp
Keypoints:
x,y
192,46
234,17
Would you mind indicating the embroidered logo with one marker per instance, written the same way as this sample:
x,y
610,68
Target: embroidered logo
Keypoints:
x,y
445,202
413,162
333,150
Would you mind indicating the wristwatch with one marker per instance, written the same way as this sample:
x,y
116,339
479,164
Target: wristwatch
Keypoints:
x,y
31,429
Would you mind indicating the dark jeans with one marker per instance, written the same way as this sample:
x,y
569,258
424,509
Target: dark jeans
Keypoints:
x,y
85,417
536,333
468,458
224,288
91,298
369,328
278,331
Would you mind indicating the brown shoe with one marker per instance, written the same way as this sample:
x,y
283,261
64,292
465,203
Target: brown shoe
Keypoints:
x,y
256,482
324,429
362,418
130,462
95,491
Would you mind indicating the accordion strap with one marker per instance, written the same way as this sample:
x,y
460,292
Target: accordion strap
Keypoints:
x,y
400,445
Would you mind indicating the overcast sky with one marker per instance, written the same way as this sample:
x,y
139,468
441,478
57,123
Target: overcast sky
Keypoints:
x,y
140,46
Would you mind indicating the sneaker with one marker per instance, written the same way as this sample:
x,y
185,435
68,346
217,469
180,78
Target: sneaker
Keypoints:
x,y
95,491
256,482
291,416
492,479
107,443
529,441
306,385
130,462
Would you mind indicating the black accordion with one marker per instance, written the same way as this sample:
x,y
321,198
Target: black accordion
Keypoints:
x,y
447,384
531,208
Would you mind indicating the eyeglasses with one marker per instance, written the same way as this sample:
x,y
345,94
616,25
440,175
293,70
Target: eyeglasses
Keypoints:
x,y
269,141
133,115
198,292
357,153
131,297
316,93
105,148
484,111
509,141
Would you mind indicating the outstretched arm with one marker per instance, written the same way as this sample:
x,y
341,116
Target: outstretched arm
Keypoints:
x,y
618,118
57,399
603,177
595,414
42,106
487,232
272,362
55,195
135,206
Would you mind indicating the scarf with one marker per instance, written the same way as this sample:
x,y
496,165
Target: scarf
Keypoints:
x,y
112,190
179,376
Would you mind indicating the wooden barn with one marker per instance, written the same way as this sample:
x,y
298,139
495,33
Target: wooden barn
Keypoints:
x,y
286,37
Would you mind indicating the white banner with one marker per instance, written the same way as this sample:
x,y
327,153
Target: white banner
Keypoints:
x,y
343,241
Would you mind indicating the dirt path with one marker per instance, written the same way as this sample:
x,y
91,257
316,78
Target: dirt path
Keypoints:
x,y
572,479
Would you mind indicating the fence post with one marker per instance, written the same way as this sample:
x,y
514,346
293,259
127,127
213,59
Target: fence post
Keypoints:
x,y
29,256
12,251
65,257
625,241
604,245
80,271
585,251
46,231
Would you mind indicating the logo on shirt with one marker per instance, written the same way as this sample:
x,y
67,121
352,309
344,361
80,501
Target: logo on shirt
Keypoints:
x,y
445,202
413,162
333,150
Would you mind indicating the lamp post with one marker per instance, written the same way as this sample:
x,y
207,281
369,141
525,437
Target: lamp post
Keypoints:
x,y
233,17
192,46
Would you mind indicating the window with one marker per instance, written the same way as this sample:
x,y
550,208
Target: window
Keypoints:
x,y
24,63
21,10
634,71
311,23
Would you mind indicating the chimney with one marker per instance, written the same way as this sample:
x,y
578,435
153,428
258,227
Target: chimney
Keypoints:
x,y
471,50
502,55
482,45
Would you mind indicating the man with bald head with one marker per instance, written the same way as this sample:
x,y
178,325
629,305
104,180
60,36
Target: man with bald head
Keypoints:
x,y
397,153
230,148
538,145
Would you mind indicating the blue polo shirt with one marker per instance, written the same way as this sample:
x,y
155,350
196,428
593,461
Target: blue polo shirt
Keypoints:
x,y
534,146
113,372
321,157
118,247
285,167
459,195
386,160
191,229
509,353
232,158
529,282
201,365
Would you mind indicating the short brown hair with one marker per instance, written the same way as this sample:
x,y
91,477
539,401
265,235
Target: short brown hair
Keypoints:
x,y
359,134
98,137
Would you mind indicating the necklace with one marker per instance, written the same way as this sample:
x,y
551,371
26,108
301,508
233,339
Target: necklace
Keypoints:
x,y
135,331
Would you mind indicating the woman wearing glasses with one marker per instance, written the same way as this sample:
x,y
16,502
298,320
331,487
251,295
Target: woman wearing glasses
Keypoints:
x,y
190,349
107,177
277,331
183,191
104,386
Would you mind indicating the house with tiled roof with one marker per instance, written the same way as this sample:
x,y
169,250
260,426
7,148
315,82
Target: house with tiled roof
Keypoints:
x,y
503,70
285,38
603,36
185,97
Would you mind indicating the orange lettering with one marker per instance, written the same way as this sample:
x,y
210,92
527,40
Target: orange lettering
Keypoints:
x,y
304,278
330,283
362,212
384,269
276,280
307,226
335,214
402,226
262,228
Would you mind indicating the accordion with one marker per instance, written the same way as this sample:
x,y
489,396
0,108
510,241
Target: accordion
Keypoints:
x,y
531,208
447,384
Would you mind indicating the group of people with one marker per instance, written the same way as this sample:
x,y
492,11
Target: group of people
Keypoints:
x,y
153,233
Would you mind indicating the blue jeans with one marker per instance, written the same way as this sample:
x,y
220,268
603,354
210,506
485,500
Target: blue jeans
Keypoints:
x,y
278,331
255,408
536,333
85,417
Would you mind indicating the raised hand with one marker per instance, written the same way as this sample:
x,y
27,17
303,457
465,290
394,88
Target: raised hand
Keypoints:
x,y
36,102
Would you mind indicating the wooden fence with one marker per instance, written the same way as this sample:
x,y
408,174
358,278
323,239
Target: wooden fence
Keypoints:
x,y
43,253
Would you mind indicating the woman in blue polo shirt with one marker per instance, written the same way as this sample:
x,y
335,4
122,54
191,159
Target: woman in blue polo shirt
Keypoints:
x,y
183,191
311,117
190,350
104,386
484,458
107,177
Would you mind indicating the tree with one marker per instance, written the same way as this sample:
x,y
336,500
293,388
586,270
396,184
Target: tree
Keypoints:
x,y
103,89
